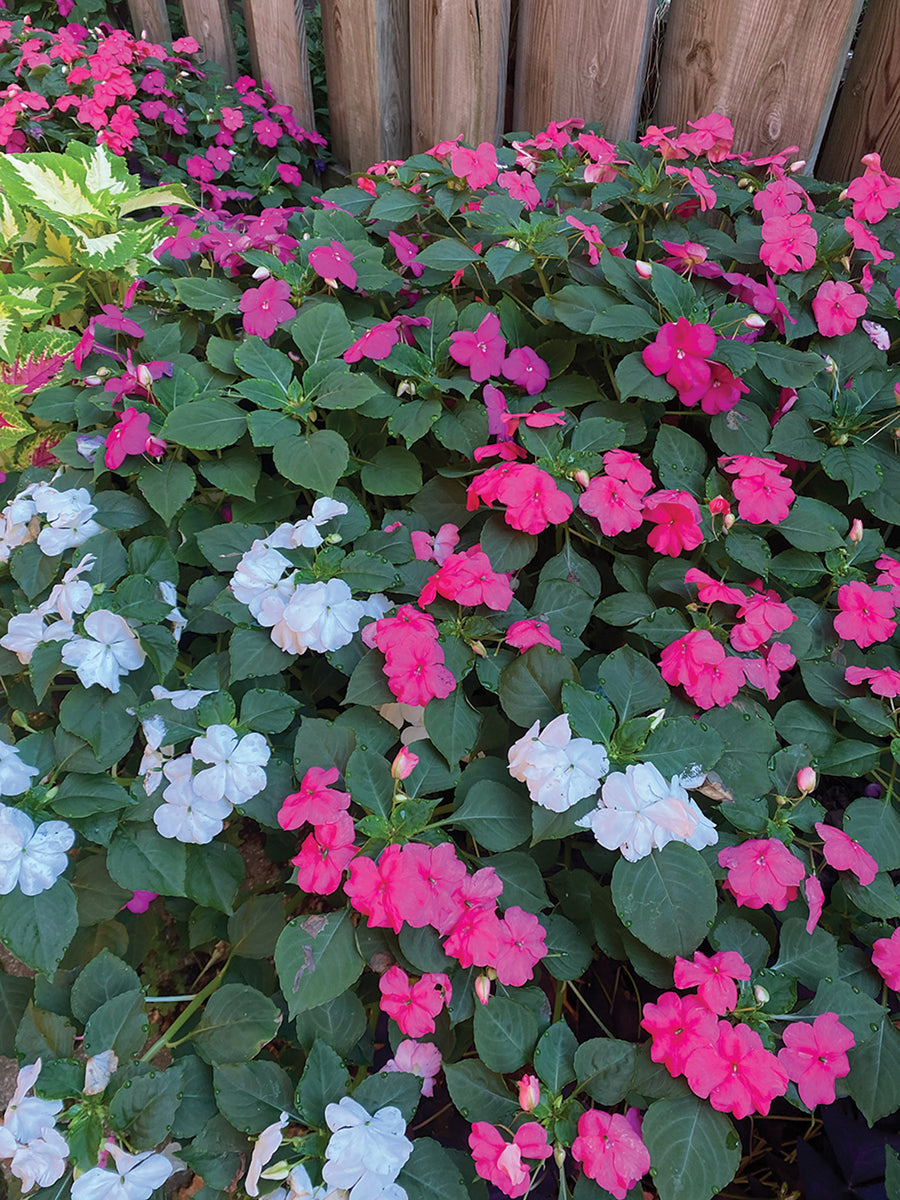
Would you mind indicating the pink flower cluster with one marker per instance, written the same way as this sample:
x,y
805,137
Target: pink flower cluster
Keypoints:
x,y
789,240
681,351
327,851
700,664
530,496
865,616
413,1006
469,579
500,1162
414,661
421,885
762,871
610,1149
483,351
761,492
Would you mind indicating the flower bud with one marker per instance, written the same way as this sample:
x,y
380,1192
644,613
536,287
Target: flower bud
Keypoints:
x,y
762,996
796,167
404,764
830,365
483,988
806,780
478,648
719,506
261,273
644,269
144,376
728,520
856,531
755,321
529,1093
406,387
92,380
582,478
559,1156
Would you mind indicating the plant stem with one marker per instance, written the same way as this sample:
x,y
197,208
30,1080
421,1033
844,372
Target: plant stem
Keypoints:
x,y
182,1019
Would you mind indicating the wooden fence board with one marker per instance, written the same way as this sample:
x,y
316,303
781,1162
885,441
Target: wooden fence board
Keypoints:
x,y
771,66
150,17
458,52
867,116
207,21
582,58
277,34
367,64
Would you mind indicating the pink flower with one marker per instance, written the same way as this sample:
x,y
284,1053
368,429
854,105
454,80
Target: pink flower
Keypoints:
x,y
680,352
866,616
416,673
140,901
789,243
527,370
763,614
376,343
266,307
482,351
698,181
478,167
130,435
678,1025
762,871
522,635
500,1162
724,391
713,977
709,590
736,1072
530,495
316,801
874,193
405,762
699,663
406,251
676,516
289,174
417,1058
332,262
592,238
863,239
844,854
837,307
886,959
470,580
415,1006
435,549
883,681
815,899
529,1093
614,503
610,1151
267,132
521,187
814,1056
324,856
762,494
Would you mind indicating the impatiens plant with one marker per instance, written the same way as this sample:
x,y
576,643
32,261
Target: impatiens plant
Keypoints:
x,y
450,662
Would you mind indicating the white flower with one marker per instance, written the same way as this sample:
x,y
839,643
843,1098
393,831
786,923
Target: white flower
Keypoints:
x,y
41,1160
73,595
559,770
185,815
24,633
155,753
365,1153
68,515
399,714
639,812
266,1145
28,1136
177,618
136,1177
27,1117
98,1070
260,576
32,858
111,650
237,771
184,699
15,775
324,616
306,532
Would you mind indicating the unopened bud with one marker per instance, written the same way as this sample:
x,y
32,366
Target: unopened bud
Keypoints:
x,y
483,988
830,364
728,520
582,478
529,1093
144,376
103,372
806,780
406,387
656,717
843,196
404,764
478,648
755,321
92,380
644,269
261,273
762,996
719,506
796,167
559,1156
19,718
856,531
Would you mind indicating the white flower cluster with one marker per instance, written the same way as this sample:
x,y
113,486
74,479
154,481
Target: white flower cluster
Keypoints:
x,y
59,520
558,769
196,805
154,730
136,1176
33,858
299,1185
640,811
365,1153
305,616
29,1137
26,631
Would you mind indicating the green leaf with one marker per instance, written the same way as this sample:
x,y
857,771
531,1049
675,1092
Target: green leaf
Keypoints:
x,y
253,1095
809,957
680,459
876,826
399,1089
317,959
341,1023
198,1104
568,954
236,472
15,994
452,725
431,1174
604,1067
446,254
874,1079
694,1149
120,1024
787,367
102,720
369,781
667,899
495,814
205,424
860,1013
255,926
478,1093
632,683
316,462
394,472
208,295
213,875
325,1080
855,467
261,361
674,293
142,860
236,1023
38,929
104,977
531,686
142,1109
252,653
554,1056
813,525
321,330
267,711
679,743
590,715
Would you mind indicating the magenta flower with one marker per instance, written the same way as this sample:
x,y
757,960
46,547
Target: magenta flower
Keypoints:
x,y
680,352
478,167
333,264
265,307
267,132
866,616
527,370
483,350
844,854
837,307
814,1056
130,435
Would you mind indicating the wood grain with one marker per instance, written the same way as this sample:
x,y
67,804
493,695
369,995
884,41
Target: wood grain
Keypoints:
x,y
207,21
771,66
458,52
867,116
582,58
277,35
150,17
367,65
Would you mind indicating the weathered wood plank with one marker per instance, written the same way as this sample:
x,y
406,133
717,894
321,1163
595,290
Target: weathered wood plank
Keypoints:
x,y
582,58
771,66
367,65
458,51
277,34
867,116
207,21
150,17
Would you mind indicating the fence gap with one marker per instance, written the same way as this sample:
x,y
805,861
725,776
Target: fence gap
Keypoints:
x,y
582,58
366,46
277,33
771,66
458,52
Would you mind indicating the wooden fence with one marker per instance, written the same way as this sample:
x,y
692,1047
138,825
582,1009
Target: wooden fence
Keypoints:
x,y
405,74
